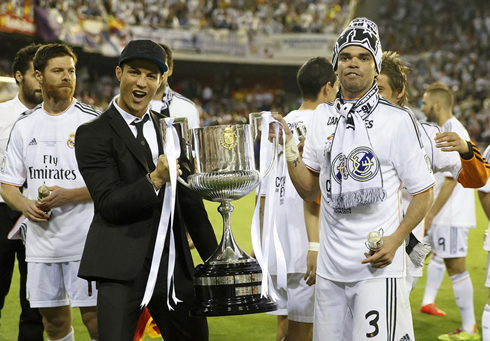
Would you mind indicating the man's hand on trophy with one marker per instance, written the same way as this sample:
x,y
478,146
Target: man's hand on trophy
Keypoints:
x,y
383,257
283,130
57,197
161,174
32,211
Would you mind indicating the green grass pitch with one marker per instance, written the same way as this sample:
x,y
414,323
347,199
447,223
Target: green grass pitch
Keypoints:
x,y
261,327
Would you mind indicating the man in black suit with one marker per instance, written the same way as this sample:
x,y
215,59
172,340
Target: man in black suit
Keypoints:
x,y
125,180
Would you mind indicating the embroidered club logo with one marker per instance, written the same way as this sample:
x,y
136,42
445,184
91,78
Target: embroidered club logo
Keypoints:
x,y
429,163
339,168
228,138
71,140
362,164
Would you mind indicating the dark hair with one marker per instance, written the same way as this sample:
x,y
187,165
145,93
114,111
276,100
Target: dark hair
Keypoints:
x,y
396,70
313,76
170,58
441,90
50,51
22,59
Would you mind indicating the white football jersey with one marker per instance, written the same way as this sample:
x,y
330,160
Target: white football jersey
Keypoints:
x,y
41,150
393,134
9,112
459,210
290,219
180,106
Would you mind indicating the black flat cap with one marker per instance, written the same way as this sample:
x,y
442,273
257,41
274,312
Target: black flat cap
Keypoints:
x,y
144,49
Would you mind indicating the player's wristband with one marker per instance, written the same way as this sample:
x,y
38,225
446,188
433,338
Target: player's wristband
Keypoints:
x,y
292,152
312,246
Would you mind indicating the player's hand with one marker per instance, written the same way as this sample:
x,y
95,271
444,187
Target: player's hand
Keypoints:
x,y
161,174
451,142
32,212
427,223
384,257
57,197
311,259
283,131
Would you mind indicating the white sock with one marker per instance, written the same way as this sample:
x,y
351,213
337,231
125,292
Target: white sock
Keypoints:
x,y
69,337
435,273
463,293
485,323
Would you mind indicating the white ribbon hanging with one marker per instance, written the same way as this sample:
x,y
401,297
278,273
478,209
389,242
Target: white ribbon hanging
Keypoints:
x,y
171,150
270,237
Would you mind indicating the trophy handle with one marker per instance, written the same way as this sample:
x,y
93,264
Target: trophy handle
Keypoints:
x,y
254,119
185,139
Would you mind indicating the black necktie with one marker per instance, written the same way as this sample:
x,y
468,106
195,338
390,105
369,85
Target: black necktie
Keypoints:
x,y
143,143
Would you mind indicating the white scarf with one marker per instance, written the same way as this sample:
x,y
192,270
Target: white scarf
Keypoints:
x,y
167,98
353,168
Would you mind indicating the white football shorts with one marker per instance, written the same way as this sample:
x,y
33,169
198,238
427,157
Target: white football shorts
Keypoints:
x,y
299,300
57,284
374,309
449,242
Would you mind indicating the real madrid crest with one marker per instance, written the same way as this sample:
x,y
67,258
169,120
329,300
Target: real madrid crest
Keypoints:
x,y
71,141
228,138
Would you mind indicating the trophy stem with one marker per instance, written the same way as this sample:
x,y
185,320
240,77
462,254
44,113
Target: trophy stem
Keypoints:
x,y
228,250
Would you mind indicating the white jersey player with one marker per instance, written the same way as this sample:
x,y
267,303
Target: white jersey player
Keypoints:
x,y
363,148
450,218
170,103
317,83
41,152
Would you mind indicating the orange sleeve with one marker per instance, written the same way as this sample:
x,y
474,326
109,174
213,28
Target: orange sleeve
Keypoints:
x,y
319,200
476,171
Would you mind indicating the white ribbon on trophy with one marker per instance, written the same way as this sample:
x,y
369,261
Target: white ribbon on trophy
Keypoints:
x,y
270,237
171,150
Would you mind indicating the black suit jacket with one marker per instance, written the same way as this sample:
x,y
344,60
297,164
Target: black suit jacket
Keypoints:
x,y
127,211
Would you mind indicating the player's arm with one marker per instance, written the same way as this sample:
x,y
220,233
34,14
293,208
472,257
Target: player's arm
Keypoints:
x,y
416,211
305,182
475,169
312,222
14,198
60,196
447,188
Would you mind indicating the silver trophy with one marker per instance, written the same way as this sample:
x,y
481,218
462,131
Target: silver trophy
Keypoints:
x,y
229,282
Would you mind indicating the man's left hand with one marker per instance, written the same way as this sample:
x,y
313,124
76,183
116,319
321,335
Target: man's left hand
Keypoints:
x,y
58,197
384,257
311,259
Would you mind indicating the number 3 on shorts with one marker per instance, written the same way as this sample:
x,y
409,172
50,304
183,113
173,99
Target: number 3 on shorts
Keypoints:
x,y
373,322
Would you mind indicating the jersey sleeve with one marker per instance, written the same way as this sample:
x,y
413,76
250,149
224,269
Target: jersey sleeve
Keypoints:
x,y
476,170
309,152
13,170
409,157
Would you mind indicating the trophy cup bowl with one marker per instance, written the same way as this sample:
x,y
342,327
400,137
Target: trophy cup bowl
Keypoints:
x,y
229,282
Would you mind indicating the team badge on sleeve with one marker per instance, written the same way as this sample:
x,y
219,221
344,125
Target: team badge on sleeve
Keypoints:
x,y
71,140
4,162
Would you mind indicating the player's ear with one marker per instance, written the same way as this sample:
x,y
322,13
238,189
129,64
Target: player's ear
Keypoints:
x,y
39,76
18,76
119,72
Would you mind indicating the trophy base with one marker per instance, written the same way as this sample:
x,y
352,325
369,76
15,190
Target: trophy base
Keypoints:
x,y
230,289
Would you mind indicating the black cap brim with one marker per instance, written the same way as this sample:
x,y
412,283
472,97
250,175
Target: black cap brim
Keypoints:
x,y
163,67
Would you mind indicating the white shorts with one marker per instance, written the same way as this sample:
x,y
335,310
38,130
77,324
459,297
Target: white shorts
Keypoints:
x,y
298,302
57,284
374,309
449,242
